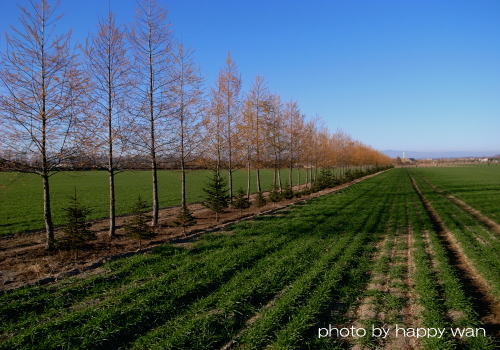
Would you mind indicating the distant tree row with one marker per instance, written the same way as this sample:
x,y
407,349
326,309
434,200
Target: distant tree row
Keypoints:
x,y
133,91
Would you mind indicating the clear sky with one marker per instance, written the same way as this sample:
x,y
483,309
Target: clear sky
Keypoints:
x,y
420,75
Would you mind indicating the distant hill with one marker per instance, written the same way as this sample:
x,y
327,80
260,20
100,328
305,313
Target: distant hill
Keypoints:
x,y
437,154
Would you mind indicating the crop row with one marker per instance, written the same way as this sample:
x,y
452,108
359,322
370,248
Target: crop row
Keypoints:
x,y
479,186
478,244
337,288
440,292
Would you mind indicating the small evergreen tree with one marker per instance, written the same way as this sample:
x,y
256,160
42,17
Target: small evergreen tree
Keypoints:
x,y
137,226
240,201
260,200
185,218
275,195
76,227
325,179
217,198
288,192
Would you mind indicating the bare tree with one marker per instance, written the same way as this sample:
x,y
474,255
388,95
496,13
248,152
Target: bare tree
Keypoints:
x,y
257,104
274,137
109,67
186,103
151,42
246,138
214,128
292,119
41,89
230,86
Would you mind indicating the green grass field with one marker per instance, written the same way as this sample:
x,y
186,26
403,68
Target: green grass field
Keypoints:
x,y
479,186
305,267
21,206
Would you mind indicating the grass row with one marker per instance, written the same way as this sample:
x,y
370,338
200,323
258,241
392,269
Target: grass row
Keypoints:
x,y
478,245
214,320
479,186
440,293
388,272
337,285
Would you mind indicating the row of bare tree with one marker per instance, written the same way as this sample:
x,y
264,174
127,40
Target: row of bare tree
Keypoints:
x,y
134,90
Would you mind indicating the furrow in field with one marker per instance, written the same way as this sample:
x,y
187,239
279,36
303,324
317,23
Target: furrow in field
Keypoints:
x,y
389,297
479,245
478,215
459,308
432,311
485,303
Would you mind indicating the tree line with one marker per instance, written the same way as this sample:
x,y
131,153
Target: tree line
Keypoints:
x,y
134,91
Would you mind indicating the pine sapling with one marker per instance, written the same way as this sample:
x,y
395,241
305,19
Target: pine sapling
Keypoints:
x,y
137,226
260,200
76,229
288,192
217,198
185,219
240,201
275,195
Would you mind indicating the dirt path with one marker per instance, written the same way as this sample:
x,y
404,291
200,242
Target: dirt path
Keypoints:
x,y
390,297
24,260
485,303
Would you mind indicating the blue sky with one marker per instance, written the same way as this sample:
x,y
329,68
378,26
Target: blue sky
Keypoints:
x,y
421,75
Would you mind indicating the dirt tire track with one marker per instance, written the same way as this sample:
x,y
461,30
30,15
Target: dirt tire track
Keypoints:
x,y
411,309
485,303
485,220
365,309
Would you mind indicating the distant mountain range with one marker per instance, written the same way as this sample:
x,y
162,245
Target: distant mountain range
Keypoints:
x,y
437,154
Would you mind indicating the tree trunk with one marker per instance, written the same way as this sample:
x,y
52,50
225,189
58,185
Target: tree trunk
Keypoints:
x,y
275,177
154,174
279,181
111,170
230,176
47,213
112,210
230,158
248,175
310,176
307,175
183,184
183,171
258,180
218,143
257,148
